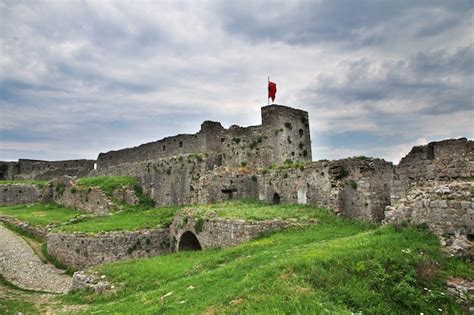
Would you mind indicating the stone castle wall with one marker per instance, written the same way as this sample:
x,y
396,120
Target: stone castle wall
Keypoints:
x,y
443,160
15,194
44,170
284,134
81,250
447,208
432,185
356,187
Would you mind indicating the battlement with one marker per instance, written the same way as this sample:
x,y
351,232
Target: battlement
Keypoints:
x,y
283,135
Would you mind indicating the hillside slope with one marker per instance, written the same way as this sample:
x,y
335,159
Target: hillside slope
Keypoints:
x,y
337,266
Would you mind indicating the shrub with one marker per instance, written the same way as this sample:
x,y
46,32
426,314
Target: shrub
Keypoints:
x,y
243,163
288,125
199,225
73,190
353,184
342,173
236,140
254,178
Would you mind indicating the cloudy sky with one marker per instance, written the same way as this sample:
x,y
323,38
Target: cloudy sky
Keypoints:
x,y
377,77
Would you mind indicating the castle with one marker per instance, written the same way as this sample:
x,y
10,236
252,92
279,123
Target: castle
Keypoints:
x,y
273,162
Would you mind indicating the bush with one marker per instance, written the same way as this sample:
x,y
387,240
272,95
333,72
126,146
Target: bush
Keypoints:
x,y
342,173
199,225
288,125
243,163
353,184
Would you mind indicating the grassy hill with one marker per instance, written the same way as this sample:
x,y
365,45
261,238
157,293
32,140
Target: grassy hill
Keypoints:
x,y
338,266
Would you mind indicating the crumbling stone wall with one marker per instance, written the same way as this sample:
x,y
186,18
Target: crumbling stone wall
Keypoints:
x,y
168,181
81,250
93,200
226,183
44,170
284,134
432,185
446,207
355,187
443,160
219,232
15,194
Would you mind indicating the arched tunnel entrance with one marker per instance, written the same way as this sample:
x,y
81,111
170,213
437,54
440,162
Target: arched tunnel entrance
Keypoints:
x,y
188,241
276,199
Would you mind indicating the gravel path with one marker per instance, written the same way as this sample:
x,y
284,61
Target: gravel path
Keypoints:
x,y
21,266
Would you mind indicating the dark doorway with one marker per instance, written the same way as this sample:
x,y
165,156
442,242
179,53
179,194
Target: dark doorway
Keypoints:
x,y
276,199
189,241
229,193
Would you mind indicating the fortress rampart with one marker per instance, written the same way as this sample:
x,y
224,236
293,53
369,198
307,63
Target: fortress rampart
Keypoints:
x,y
284,134
44,170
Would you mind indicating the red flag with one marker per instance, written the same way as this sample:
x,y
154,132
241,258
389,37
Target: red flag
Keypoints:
x,y
272,89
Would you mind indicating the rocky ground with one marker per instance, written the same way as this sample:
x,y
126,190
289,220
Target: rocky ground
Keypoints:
x,y
22,267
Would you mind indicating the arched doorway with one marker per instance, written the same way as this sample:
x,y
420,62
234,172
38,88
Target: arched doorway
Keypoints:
x,y
276,199
189,241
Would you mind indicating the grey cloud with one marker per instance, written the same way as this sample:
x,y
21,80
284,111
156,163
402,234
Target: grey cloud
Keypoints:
x,y
309,22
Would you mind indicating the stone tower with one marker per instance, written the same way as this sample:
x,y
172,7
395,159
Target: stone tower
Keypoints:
x,y
288,131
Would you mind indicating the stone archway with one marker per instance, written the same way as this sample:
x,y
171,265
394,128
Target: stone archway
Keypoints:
x,y
188,241
276,199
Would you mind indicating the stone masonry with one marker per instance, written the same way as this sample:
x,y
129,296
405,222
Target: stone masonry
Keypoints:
x,y
82,250
14,194
44,170
189,232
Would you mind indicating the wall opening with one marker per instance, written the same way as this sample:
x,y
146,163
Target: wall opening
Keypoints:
x,y
276,199
189,241
181,144
229,193
164,147
301,132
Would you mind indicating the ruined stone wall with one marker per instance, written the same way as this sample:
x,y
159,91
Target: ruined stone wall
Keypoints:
x,y
226,183
44,170
81,250
446,207
168,181
15,194
219,232
355,187
8,170
66,192
284,134
443,160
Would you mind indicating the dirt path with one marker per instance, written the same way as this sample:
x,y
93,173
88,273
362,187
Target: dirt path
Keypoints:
x,y
21,266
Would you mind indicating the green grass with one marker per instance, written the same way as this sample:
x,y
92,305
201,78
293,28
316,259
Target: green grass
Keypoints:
x,y
337,266
129,220
40,214
107,183
257,211
24,181
137,217
11,299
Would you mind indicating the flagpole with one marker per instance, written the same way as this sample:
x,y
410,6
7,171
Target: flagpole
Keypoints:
x,y
268,99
